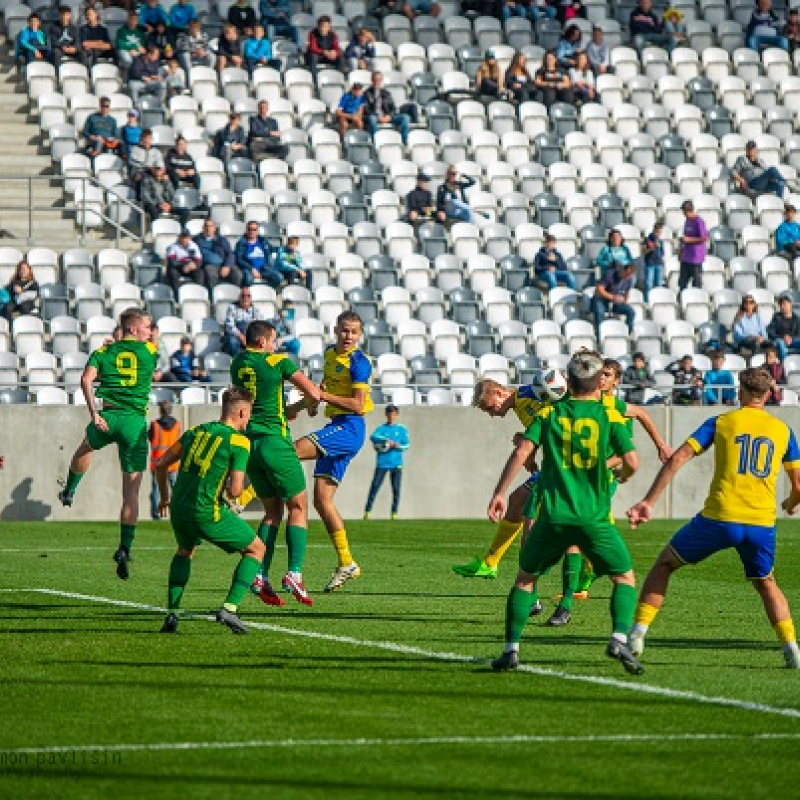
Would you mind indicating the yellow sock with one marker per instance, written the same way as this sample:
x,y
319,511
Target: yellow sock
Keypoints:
x,y
645,614
505,534
342,547
247,496
785,630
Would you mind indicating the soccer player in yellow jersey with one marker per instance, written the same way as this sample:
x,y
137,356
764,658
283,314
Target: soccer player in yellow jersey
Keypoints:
x,y
749,447
346,392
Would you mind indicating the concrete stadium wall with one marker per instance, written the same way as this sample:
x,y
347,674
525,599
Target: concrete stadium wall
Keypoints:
x,y
451,468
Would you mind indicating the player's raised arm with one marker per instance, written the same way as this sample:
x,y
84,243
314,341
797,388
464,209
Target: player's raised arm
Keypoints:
x,y
163,464
643,510
524,450
646,421
88,378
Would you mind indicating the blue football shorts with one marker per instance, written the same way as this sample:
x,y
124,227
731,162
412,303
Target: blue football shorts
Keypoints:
x,y
702,537
338,443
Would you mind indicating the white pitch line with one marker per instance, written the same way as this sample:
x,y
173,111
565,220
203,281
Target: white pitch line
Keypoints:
x,y
630,685
414,742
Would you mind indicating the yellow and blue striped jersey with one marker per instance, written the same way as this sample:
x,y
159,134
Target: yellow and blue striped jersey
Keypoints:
x,y
344,372
749,447
527,405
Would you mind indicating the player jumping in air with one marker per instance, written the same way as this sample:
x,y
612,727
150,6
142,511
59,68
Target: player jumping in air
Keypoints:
x,y
124,370
573,497
749,447
210,455
346,392
274,469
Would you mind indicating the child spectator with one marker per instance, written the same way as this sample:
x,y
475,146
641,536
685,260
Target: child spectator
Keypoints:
x,y
258,51
614,253
31,42
653,259
689,379
783,330
174,78
749,332
130,134
637,376
289,263
787,235
550,267
185,366
776,370
716,377
598,53
361,50
287,342
675,28
350,113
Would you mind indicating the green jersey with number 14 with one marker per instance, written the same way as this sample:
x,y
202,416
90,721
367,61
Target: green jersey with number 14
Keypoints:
x,y
575,437
125,373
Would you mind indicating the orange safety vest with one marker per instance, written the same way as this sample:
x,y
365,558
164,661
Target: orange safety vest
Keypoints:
x,y
162,441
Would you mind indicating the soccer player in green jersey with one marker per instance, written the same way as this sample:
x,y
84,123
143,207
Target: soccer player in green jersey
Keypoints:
x,y
274,469
210,455
124,370
573,503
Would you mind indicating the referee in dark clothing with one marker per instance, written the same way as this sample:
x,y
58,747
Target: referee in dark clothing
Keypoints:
x,y
419,203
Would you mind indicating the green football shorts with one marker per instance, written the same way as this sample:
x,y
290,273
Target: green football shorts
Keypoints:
x,y
230,533
274,468
600,542
127,430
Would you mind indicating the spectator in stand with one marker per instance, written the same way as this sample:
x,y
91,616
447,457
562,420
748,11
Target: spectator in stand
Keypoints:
x,y
130,134
254,254
361,50
31,42
174,78
552,83
693,247
611,296
229,49
96,5
749,331
181,14
278,13
718,377
286,342
184,262
637,376
185,365
419,203
569,9
451,200
688,384
379,109
783,330
675,28
289,263
519,81
151,14
231,141
164,38
264,137
162,373
193,47
765,28
582,79
599,54
778,373
792,29
533,9
350,113
614,253
95,44
549,266
100,131
63,37
180,165
646,28
144,76
415,8
238,316
218,262
23,291
568,48
753,176
787,235
158,194
323,47
143,158
243,16
258,51
489,78
653,248
130,41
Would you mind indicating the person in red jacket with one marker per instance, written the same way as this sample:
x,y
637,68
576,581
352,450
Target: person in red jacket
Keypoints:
x,y
324,48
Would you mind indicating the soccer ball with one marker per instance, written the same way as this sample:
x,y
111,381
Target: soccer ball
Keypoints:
x,y
382,446
550,385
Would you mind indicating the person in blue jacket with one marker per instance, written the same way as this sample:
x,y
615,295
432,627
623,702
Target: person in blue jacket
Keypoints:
x,y
181,14
31,43
390,442
258,51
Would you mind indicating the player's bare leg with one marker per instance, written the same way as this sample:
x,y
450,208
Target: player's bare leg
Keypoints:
x,y
306,449
623,604
268,533
777,607
324,494
78,467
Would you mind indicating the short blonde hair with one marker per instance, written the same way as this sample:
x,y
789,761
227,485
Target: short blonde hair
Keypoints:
x,y
482,388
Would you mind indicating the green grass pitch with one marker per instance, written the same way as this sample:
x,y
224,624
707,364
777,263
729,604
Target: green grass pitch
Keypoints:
x,y
382,708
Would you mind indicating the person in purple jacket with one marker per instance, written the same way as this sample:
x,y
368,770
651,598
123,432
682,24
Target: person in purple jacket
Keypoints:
x,y
693,247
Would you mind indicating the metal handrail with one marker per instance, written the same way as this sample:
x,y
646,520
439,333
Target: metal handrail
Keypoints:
x,y
80,208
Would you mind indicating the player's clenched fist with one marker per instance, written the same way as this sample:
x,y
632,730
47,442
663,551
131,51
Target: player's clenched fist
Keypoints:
x,y
497,508
639,514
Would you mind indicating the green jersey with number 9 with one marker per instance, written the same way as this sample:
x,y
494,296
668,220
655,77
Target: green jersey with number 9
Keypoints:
x,y
125,373
575,437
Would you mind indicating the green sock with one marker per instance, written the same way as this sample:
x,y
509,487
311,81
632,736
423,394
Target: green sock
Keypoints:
x,y
296,541
623,606
73,479
518,609
179,571
268,534
126,535
570,575
243,577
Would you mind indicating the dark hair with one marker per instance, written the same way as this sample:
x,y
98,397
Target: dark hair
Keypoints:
x,y
234,396
323,18
716,354
639,355
348,316
258,330
613,364
146,132
612,232
687,205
